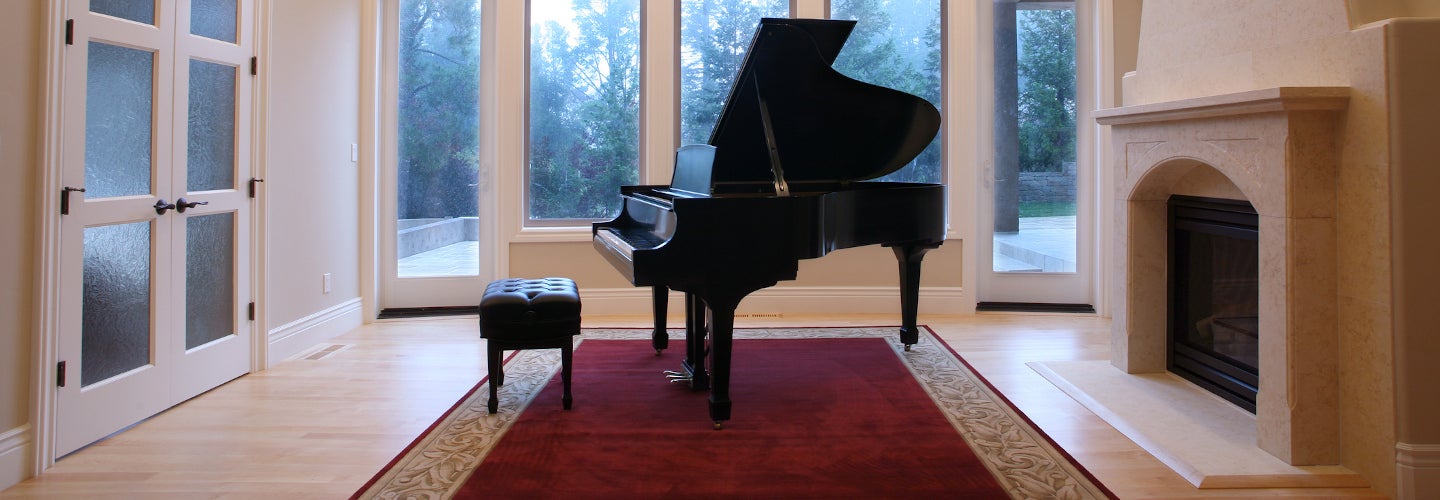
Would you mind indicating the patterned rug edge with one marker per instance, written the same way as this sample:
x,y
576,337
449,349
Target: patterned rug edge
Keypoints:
x,y
1026,462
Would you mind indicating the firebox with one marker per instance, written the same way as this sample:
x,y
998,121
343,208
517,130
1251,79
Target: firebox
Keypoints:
x,y
1214,318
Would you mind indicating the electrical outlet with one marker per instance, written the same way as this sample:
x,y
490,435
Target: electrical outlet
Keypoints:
x,y
325,278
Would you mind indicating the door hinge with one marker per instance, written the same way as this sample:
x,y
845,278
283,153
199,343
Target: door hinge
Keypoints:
x,y
253,181
251,314
69,32
60,374
254,66
65,199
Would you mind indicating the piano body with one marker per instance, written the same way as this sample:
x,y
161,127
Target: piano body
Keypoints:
x,y
785,177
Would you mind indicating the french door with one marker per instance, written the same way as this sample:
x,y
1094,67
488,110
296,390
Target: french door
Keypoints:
x,y
155,224
1036,217
432,234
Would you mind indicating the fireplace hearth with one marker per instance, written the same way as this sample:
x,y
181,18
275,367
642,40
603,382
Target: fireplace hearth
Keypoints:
x,y
1214,290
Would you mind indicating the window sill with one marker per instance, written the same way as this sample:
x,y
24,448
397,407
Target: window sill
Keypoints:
x,y
568,234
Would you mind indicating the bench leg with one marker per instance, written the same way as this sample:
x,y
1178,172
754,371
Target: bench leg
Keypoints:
x,y
566,352
497,375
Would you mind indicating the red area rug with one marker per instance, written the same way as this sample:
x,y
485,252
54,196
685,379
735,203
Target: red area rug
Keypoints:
x,y
821,412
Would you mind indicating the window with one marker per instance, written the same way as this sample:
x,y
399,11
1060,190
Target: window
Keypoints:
x,y
714,35
584,107
896,44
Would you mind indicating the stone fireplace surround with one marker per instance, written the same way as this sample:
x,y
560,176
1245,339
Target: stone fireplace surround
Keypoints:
x,y
1278,146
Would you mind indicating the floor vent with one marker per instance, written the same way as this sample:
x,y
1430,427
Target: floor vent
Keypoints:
x,y
326,351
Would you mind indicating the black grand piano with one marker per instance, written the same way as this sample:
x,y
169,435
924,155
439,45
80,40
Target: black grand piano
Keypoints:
x,y
783,178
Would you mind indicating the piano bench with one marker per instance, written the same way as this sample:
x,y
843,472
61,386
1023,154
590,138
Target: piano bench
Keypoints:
x,y
518,314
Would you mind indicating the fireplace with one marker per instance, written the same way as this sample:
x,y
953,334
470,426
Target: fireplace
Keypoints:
x,y
1275,148
1214,313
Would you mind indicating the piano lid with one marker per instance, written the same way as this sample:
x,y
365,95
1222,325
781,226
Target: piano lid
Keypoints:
x,y
827,126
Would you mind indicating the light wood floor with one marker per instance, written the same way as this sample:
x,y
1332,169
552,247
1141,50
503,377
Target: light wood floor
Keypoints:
x,y
321,428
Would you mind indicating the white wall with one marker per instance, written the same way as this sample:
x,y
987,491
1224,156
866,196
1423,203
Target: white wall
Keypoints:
x,y
311,190
20,51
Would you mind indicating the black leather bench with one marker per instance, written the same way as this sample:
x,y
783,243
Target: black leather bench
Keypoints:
x,y
518,314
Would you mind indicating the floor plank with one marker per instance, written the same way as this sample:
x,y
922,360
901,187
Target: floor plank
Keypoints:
x,y
319,428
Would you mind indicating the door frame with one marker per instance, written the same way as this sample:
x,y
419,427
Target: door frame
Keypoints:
x,y
48,258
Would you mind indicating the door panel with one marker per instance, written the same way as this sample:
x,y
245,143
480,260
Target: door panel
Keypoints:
x,y
209,278
116,322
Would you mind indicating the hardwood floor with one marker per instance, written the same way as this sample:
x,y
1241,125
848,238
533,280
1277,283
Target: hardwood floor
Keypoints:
x,y
319,428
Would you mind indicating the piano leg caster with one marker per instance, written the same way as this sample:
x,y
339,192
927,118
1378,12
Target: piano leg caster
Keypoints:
x,y
719,425
907,347
657,352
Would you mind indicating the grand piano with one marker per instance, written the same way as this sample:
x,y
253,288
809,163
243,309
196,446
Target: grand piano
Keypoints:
x,y
785,176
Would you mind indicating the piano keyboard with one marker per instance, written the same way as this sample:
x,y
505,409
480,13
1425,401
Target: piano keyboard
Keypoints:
x,y
626,242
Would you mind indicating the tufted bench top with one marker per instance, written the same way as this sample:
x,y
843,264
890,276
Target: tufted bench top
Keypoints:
x,y
517,308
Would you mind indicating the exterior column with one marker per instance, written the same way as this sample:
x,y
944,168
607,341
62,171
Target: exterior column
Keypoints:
x,y
1007,121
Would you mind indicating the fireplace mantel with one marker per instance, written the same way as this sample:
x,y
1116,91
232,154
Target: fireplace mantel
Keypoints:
x,y
1241,103
1279,147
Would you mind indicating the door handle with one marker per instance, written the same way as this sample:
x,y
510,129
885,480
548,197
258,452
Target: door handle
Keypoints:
x,y
161,206
181,204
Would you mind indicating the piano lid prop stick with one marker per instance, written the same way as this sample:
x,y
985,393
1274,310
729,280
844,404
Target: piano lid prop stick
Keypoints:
x,y
782,188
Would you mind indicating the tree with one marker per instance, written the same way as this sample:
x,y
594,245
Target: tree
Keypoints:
x,y
896,44
438,100
1047,89
715,35
584,111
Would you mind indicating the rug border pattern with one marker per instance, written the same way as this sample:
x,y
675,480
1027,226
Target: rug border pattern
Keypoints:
x,y
1018,454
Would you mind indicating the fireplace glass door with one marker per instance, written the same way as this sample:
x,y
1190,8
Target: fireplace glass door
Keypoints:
x,y
1214,296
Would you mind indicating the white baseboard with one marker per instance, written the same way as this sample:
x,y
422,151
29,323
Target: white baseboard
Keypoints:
x,y
17,456
786,300
1417,470
299,335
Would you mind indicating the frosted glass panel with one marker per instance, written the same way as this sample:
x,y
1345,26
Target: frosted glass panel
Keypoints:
x,y
211,149
115,322
213,19
209,278
140,11
118,110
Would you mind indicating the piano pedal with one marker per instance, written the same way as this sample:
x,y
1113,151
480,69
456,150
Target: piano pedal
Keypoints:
x,y
677,377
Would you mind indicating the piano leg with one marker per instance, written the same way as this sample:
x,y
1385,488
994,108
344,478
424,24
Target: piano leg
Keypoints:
x,y
694,363
660,296
722,328
910,256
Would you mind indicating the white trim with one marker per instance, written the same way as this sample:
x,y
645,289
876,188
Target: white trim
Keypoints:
x,y
296,336
47,246
16,447
260,161
1417,470
962,125
785,300
371,142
